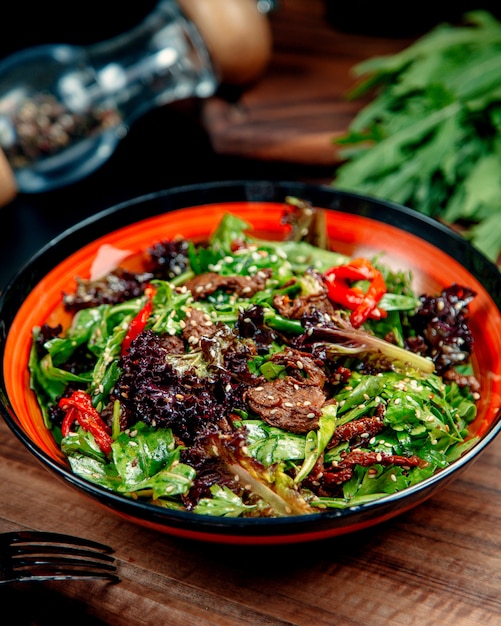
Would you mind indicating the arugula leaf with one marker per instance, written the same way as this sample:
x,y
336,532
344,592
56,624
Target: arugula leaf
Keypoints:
x,y
144,459
317,440
269,444
224,503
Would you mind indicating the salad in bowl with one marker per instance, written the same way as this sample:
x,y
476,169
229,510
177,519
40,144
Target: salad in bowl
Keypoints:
x,y
254,362
245,377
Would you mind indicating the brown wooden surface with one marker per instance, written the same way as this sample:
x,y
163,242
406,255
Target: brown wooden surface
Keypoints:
x,y
438,564
300,104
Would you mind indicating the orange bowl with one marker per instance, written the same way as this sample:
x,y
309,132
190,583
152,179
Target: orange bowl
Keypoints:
x,y
357,225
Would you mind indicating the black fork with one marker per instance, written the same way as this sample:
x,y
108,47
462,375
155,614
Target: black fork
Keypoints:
x,y
37,556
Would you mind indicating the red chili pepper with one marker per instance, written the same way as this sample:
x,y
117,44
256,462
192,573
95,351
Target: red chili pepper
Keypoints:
x,y
363,304
79,408
138,323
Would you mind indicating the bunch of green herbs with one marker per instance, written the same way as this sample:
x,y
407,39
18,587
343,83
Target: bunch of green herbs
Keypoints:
x,y
430,138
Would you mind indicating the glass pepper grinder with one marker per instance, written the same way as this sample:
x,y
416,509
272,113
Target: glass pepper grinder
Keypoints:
x,y
64,108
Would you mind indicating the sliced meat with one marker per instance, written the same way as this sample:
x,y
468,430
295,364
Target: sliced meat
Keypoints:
x,y
300,365
197,324
206,284
288,403
304,305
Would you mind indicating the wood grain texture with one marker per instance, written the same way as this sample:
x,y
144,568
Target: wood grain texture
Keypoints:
x,y
292,113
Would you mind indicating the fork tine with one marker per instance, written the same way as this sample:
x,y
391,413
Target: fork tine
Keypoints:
x,y
71,574
63,569
31,549
56,561
27,536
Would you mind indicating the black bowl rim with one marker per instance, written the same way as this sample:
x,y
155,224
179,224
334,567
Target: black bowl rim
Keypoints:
x,y
425,227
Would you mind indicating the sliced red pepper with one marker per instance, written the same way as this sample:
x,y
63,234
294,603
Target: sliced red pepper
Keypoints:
x,y
368,306
138,323
79,408
363,304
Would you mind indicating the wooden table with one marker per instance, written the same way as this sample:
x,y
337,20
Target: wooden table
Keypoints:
x,y
438,564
